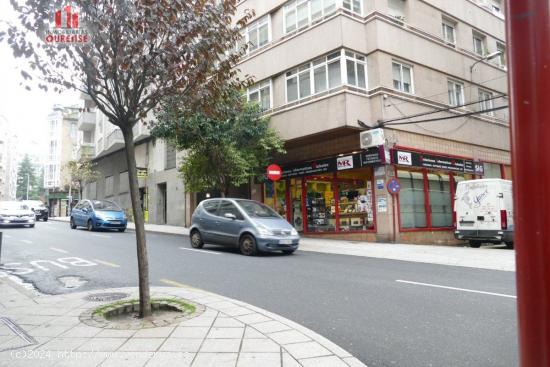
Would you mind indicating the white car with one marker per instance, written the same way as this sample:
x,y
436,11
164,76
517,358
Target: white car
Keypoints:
x,y
16,213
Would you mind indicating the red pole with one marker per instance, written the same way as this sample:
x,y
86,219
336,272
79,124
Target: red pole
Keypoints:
x,y
528,32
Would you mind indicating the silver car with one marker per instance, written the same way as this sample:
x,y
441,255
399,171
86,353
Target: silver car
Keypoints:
x,y
15,213
249,225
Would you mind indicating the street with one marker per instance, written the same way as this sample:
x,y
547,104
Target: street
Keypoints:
x,y
384,312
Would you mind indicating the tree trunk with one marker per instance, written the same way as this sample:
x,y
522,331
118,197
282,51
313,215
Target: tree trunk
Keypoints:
x,y
143,261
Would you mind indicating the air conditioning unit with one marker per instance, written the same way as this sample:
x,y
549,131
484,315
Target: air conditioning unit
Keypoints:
x,y
372,138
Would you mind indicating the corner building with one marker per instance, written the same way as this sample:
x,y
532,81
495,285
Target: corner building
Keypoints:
x,y
324,66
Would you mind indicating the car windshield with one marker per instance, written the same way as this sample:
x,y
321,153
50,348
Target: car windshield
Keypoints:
x,y
36,204
254,209
12,205
104,205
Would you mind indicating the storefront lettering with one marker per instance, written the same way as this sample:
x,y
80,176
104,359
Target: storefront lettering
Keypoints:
x,y
435,162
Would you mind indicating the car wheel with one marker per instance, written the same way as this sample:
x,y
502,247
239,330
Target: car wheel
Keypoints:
x,y
248,245
73,226
196,239
475,244
31,226
288,252
121,229
509,245
45,219
90,225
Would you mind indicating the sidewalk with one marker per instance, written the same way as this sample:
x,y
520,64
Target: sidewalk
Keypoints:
x,y
489,257
42,330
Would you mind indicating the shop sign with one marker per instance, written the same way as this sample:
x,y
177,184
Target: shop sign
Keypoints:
x,y
372,156
274,172
343,163
309,168
436,162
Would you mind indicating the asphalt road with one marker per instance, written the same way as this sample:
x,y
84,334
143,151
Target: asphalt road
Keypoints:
x,y
374,308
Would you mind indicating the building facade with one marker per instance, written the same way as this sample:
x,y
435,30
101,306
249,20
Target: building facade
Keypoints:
x,y
162,194
62,144
8,161
329,69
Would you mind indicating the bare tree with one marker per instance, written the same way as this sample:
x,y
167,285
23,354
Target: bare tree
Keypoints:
x,y
127,56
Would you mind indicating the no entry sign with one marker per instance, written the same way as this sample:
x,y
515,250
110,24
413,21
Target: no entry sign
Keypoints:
x,y
274,172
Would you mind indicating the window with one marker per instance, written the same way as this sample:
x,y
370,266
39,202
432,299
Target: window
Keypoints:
x,y
412,209
439,189
228,207
261,94
502,57
72,130
353,6
123,183
211,206
486,102
491,170
315,77
257,34
479,44
496,6
396,9
109,185
402,77
87,137
448,31
170,156
300,13
355,68
456,93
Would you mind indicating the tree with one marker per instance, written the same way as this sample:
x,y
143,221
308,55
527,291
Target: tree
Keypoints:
x,y
80,172
225,149
26,178
133,54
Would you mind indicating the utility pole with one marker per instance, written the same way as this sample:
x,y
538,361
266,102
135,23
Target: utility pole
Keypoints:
x,y
528,32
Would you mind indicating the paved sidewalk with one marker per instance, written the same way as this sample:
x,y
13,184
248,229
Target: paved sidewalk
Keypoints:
x,y
41,330
489,257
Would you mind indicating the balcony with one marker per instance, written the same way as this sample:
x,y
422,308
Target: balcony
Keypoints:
x,y
85,151
114,141
140,131
86,121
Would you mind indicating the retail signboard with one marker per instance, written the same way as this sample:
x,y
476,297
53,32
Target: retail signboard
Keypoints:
x,y
366,158
430,161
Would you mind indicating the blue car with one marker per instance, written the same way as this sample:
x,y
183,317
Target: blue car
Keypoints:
x,y
98,214
249,225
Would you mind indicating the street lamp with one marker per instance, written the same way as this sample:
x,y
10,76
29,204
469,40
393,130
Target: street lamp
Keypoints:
x,y
485,58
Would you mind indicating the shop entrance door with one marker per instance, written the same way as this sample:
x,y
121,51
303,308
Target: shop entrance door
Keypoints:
x,y
296,212
320,206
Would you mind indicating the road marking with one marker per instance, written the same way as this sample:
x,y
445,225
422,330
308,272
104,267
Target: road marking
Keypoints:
x,y
457,289
107,263
201,251
26,241
174,283
101,235
59,250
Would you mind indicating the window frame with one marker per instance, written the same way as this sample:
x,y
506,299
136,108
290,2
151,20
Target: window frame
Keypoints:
x,y
482,38
351,7
292,6
502,58
257,24
401,66
455,83
447,23
266,83
488,101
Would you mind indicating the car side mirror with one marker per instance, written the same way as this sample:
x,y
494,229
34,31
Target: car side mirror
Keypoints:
x,y
85,210
230,216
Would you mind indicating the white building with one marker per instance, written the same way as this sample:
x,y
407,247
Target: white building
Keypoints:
x,y
8,161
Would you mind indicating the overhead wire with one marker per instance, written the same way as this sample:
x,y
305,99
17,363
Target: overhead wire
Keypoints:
x,y
448,117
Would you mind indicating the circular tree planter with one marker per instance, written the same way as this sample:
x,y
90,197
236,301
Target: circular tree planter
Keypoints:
x,y
123,315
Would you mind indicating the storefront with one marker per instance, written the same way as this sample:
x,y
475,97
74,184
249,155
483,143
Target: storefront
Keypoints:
x,y
330,195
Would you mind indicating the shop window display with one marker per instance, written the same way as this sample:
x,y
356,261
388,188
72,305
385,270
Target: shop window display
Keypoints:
x,y
411,199
296,217
355,202
320,207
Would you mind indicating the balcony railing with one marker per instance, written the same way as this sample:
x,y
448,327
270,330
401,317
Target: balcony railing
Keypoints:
x,y
114,140
140,131
85,151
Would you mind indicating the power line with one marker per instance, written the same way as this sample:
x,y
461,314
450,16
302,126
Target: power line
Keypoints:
x,y
448,117
381,122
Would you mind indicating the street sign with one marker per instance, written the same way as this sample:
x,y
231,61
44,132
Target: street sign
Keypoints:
x,y
394,186
274,172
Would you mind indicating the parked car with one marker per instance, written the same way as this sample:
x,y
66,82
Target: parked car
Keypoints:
x,y
484,212
39,208
96,214
249,225
16,213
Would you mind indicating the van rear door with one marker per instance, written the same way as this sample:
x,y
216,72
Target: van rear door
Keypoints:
x,y
477,205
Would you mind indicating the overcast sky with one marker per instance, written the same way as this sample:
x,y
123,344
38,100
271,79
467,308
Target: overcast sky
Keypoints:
x,y
26,111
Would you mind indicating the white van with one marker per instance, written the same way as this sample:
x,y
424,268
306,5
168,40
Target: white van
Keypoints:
x,y
484,212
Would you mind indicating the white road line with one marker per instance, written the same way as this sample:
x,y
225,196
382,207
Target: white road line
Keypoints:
x,y
113,265
59,250
456,289
201,251
26,241
101,235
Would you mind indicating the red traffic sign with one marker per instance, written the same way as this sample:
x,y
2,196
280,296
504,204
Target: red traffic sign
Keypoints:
x,y
274,172
394,186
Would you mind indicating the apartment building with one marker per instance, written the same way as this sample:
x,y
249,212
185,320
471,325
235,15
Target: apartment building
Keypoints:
x,y
327,70
62,143
162,194
8,161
